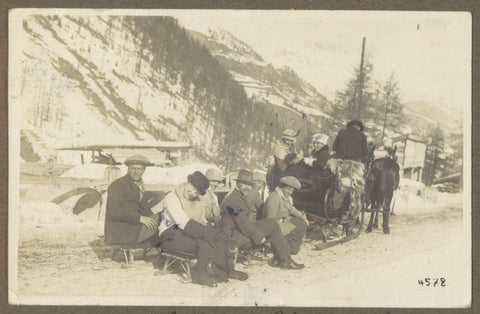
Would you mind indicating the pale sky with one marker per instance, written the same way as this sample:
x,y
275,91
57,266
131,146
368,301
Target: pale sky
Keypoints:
x,y
428,52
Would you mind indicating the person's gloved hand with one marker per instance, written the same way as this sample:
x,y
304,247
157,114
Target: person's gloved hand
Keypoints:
x,y
148,222
298,158
304,217
308,161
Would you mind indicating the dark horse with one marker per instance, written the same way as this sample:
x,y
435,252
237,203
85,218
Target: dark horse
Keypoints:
x,y
383,178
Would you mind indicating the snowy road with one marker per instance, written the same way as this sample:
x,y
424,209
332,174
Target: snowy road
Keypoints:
x,y
372,270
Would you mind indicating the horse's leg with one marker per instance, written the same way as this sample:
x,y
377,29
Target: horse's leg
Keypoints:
x,y
391,211
375,225
370,223
386,213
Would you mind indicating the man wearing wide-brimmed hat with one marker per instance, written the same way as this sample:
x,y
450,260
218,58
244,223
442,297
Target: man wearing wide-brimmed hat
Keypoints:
x,y
129,218
180,233
243,232
279,206
351,143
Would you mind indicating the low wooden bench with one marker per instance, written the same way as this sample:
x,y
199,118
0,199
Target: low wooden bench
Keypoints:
x,y
247,254
184,259
128,251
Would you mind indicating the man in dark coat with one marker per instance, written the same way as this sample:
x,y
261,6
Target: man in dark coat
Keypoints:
x,y
129,218
351,143
242,231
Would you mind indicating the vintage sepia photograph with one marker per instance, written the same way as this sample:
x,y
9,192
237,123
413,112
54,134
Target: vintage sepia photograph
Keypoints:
x,y
251,158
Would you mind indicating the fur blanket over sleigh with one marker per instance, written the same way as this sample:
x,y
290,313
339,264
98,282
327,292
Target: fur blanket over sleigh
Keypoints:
x,y
350,181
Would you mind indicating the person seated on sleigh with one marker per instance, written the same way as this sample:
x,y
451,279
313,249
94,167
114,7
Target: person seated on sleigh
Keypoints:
x,y
180,232
284,155
279,206
351,151
320,153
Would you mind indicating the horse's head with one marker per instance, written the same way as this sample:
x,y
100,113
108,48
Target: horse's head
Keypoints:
x,y
370,156
392,153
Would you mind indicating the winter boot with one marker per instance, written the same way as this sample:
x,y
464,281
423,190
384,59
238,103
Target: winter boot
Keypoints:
x,y
201,277
289,263
231,272
219,274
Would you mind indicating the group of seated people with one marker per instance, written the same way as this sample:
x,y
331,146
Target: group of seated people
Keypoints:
x,y
189,219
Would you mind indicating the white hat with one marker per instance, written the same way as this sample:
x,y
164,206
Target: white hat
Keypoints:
x,y
322,138
214,174
290,134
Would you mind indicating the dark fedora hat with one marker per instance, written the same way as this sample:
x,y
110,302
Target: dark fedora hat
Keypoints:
x,y
199,181
355,123
245,176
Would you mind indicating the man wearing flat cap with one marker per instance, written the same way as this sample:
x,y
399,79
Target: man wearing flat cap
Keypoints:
x,y
351,143
129,218
284,154
279,206
243,232
180,233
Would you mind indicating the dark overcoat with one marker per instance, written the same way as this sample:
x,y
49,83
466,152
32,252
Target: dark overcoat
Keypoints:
x,y
351,144
124,208
235,214
321,157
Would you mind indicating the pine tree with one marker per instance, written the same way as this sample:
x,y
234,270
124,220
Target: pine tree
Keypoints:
x,y
346,105
433,162
390,107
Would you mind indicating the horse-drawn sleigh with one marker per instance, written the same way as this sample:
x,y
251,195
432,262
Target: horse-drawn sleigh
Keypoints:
x,y
339,196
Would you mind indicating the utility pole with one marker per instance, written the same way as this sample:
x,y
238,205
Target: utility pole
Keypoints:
x,y
360,82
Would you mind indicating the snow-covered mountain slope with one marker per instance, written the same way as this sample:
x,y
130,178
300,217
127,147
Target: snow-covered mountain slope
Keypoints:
x,y
267,84
83,80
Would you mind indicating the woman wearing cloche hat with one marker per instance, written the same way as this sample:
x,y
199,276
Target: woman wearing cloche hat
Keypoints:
x,y
284,155
320,153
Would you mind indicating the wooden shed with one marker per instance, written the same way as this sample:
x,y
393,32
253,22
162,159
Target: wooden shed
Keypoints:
x,y
411,156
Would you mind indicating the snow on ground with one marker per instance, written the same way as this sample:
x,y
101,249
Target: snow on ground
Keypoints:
x,y
60,253
411,183
45,213
70,264
414,197
153,175
411,204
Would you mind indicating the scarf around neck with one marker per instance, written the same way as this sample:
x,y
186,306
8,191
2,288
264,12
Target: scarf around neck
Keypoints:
x,y
288,201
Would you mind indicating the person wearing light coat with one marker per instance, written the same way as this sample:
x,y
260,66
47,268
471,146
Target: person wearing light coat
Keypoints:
x,y
279,206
